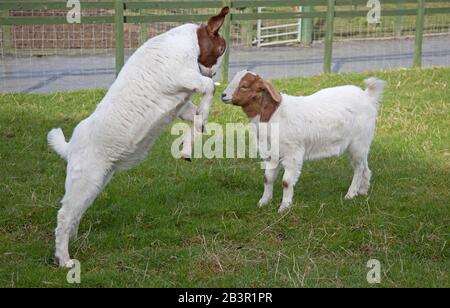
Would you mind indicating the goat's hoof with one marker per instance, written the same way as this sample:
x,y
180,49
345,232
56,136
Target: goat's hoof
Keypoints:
x,y
263,202
186,159
363,191
284,208
69,264
64,262
349,196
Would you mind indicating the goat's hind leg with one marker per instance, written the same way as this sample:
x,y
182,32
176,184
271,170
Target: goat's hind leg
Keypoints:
x,y
76,225
361,176
82,187
365,181
293,167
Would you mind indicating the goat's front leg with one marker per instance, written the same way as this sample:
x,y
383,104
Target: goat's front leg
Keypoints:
x,y
194,81
205,104
270,176
188,113
293,168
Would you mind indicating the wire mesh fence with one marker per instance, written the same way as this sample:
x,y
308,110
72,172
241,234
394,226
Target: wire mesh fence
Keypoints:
x,y
390,43
47,58
437,42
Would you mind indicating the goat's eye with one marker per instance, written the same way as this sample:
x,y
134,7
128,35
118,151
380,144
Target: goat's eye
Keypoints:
x,y
244,89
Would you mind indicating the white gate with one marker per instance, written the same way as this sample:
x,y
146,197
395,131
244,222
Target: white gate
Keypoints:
x,y
272,35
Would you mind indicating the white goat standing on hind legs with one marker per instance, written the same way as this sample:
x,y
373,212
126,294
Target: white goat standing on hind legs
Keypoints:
x,y
154,87
328,123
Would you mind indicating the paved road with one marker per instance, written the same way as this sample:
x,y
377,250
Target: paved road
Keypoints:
x,y
64,73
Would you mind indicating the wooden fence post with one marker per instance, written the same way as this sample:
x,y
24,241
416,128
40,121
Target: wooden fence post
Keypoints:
x,y
328,57
226,35
420,20
398,25
119,26
7,35
307,26
142,30
246,30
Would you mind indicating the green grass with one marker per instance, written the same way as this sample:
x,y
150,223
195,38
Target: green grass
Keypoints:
x,y
169,223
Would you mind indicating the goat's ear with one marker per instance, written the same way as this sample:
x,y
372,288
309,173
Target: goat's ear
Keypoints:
x,y
276,96
216,22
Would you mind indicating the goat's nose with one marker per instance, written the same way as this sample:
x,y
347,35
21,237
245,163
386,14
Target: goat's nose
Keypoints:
x,y
223,95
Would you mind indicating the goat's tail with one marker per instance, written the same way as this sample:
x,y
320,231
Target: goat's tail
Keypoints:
x,y
375,89
57,142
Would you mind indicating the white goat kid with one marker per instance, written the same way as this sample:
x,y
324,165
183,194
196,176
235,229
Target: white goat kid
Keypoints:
x,y
154,87
328,123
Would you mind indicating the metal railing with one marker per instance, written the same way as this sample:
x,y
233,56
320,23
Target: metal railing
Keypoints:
x,y
292,33
327,10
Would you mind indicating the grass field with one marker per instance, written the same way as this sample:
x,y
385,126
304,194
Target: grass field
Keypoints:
x,y
169,223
